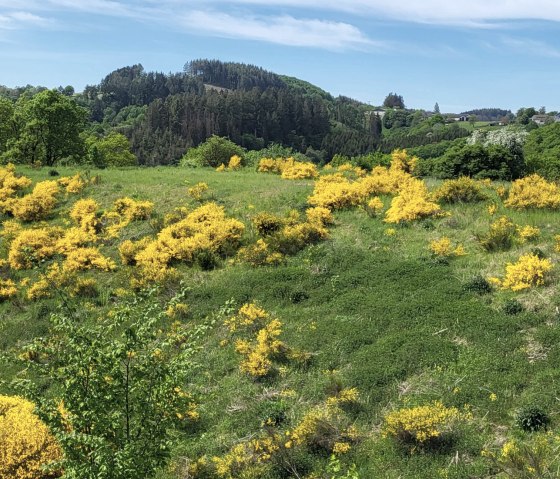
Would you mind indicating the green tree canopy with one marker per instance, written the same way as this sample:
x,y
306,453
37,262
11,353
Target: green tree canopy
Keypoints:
x,y
48,129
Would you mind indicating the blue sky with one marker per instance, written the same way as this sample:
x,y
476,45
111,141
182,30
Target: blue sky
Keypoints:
x,y
461,53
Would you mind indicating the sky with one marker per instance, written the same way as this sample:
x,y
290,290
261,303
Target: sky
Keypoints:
x,y
462,54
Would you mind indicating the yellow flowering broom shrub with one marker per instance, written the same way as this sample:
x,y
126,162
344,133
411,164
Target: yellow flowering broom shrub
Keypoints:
x,y
84,214
528,271
299,171
38,204
197,191
10,185
267,223
535,457
443,248
83,259
258,354
260,254
533,192
26,446
73,184
8,289
412,203
463,189
33,246
205,229
336,191
133,210
319,215
500,236
528,233
234,163
248,316
422,424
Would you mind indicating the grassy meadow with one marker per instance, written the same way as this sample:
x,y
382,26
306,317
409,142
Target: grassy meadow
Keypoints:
x,y
372,308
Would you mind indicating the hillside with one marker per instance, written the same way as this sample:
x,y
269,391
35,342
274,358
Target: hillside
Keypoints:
x,y
370,320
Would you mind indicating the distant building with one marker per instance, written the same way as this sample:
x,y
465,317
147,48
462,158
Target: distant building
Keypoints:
x,y
543,119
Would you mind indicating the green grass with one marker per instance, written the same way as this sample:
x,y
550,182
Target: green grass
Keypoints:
x,y
394,322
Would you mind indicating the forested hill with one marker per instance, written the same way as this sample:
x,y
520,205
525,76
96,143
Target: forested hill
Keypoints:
x,y
163,114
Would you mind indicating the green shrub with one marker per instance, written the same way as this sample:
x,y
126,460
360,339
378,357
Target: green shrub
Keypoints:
x,y
479,285
532,418
215,151
512,307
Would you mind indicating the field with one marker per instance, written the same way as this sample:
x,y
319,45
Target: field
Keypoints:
x,y
371,307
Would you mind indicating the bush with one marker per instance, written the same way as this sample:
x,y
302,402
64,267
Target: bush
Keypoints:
x,y
27,444
533,192
479,285
494,162
542,151
215,151
532,418
422,425
463,189
512,307
500,236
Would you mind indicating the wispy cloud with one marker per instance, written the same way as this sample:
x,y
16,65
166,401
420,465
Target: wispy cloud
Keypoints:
x,y
531,47
19,19
284,30
473,13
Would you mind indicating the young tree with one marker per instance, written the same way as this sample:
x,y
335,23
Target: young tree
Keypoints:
x,y
120,389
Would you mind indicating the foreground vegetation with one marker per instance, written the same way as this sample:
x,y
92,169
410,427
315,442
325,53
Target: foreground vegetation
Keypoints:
x,y
394,342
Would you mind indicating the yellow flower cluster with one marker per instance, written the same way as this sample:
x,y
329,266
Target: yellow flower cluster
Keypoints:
x,y
73,184
26,444
288,168
38,204
528,271
260,254
258,354
133,210
528,233
248,316
442,247
343,397
323,427
374,206
412,203
319,215
197,191
84,214
8,289
533,457
82,259
10,184
246,456
463,189
234,163
336,191
204,229
421,424
33,246
533,192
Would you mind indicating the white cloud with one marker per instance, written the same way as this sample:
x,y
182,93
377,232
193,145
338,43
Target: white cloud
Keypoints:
x,y
476,13
285,30
19,19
